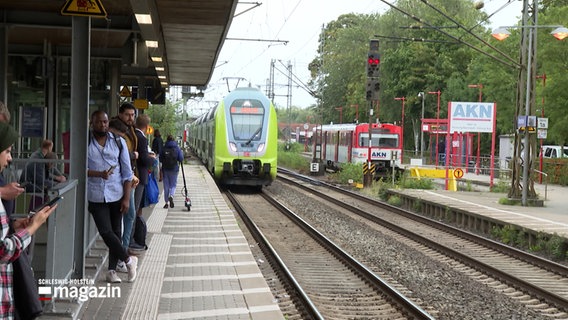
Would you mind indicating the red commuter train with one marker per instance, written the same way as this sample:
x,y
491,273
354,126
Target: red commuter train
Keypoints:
x,y
349,143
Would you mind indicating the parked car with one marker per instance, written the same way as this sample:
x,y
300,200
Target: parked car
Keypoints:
x,y
554,151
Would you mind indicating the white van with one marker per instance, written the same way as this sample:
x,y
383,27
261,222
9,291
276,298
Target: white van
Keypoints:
x,y
554,152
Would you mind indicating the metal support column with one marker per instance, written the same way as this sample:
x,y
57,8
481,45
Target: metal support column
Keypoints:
x,y
80,71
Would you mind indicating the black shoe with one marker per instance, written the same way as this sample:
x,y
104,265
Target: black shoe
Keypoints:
x,y
166,206
171,201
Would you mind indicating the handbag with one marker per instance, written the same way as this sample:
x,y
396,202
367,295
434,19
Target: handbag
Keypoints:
x,y
151,190
26,295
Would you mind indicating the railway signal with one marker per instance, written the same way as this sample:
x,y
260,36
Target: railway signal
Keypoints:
x,y
373,63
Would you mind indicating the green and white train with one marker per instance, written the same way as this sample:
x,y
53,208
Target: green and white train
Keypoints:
x,y
237,139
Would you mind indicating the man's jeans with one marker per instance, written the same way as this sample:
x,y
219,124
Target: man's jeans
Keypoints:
x,y
128,221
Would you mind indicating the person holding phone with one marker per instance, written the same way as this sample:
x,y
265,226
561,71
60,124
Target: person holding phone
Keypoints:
x,y
12,245
108,191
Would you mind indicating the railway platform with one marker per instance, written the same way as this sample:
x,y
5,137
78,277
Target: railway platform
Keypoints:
x,y
198,265
552,218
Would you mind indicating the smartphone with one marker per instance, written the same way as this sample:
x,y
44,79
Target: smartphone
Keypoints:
x,y
50,203
111,168
24,184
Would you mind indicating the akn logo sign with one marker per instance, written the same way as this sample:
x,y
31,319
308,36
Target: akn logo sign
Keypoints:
x,y
471,116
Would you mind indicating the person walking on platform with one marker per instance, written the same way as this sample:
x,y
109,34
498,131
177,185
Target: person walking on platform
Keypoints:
x,y
109,180
170,158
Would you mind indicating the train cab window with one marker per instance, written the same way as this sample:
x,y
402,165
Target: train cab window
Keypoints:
x,y
379,140
388,141
247,118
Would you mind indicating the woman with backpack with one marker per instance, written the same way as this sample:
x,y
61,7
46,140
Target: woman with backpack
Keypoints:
x,y
170,158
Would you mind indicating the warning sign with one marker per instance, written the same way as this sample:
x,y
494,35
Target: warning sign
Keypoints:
x,y
125,92
86,8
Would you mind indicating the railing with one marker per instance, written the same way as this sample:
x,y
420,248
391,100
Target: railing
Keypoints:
x,y
545,182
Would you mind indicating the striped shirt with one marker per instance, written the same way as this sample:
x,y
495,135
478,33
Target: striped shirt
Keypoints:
x,y
10,249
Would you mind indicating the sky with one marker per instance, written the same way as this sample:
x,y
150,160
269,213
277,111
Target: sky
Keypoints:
x,y
299,23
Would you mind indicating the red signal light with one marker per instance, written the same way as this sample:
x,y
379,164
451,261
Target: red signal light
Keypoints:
x,y
373,61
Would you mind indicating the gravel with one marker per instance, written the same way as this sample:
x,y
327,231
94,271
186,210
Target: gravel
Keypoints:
x,y
434,285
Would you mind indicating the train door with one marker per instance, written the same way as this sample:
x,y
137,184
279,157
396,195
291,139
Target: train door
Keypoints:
x,y
324,148
336,142
349,137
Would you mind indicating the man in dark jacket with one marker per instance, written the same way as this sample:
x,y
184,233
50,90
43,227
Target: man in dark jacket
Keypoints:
x,y
144,162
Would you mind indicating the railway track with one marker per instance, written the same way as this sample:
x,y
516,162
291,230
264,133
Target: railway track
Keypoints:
x,y
327,282
537,283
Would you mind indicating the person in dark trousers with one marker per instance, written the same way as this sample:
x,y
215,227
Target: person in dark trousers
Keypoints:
x,y
109,180
157,146
144,162
127,114
170,158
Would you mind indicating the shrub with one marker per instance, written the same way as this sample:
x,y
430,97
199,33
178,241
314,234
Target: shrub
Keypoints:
x,y
411,183
292,158
501,187
556,246
349,171
395,201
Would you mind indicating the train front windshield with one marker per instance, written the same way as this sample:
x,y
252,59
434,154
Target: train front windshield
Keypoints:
x,y
379,140
247,119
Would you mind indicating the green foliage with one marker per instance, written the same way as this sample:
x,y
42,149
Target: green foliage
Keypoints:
x,y
379,188
552,245
509,235
540,243
169,118
349,171
501,187
291,157
521,239
556,246
395,201
412,183
448,60
557,170
508,202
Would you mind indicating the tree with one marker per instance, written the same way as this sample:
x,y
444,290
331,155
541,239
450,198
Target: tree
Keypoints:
x,y
169,118
446,56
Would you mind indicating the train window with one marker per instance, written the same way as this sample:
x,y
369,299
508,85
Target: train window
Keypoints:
x,y
247,118
379,140
343,138
388,141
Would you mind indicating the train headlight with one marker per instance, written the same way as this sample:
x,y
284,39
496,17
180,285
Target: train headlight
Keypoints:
x,y
233,146
260,147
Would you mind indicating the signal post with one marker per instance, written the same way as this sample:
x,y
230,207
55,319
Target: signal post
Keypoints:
x,y
372,96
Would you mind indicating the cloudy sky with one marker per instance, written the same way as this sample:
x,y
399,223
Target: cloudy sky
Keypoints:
x,y
299,22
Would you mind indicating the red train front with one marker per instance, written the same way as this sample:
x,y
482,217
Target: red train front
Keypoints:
x,y
343,143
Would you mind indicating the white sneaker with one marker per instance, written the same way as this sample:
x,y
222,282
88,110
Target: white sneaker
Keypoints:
x,y
132,266
112,277
121,267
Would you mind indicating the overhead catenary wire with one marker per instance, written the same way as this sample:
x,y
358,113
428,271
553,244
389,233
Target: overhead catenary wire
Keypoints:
x,y
412,16
470,32
297,81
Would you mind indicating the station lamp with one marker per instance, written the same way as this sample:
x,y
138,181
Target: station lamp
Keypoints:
x,y
503,33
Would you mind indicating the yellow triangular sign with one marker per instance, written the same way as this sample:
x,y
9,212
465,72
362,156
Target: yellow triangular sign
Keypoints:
x,y
125,92
90,8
